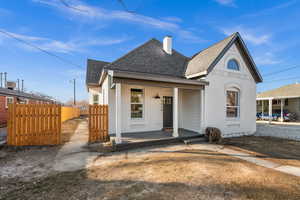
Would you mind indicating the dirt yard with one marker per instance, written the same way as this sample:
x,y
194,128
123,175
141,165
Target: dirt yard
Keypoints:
x,y
29,162
184,174
282,151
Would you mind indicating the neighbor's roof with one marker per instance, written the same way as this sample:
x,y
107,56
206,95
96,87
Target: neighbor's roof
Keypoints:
x,y
205,60
150,58
287,91
16,93
93,71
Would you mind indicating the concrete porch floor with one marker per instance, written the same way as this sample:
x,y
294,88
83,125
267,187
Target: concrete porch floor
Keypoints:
x,y
149,136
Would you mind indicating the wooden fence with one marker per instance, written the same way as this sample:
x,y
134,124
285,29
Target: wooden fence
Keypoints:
x,y
69,113
34,124
98,123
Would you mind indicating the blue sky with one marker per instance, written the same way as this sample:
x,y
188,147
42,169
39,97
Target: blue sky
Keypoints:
x,y
103,30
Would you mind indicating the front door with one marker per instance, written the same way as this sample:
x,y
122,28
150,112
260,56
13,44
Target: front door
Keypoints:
x,y
167,112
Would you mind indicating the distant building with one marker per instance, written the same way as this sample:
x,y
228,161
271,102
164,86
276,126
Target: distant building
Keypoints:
x,y
282,100
9,95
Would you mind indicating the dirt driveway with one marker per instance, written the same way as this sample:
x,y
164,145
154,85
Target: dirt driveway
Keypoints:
x,y
160,173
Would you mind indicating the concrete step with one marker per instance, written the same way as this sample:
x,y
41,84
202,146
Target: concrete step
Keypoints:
x,y
166,141
195,140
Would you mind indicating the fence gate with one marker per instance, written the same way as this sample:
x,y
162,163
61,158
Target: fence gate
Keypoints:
x,y
98,123
34,124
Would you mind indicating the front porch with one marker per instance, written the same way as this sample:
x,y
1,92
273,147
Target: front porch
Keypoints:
x,y
157,135
143,108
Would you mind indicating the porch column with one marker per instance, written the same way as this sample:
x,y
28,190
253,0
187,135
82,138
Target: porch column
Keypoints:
x,y
281,109
118,114
175,112
270,111
202,99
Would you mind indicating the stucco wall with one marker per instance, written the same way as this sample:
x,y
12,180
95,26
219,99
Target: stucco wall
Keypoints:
x,y
220,79
190,110
92,92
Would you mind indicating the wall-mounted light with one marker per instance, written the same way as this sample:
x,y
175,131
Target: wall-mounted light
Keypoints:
x,y
156,96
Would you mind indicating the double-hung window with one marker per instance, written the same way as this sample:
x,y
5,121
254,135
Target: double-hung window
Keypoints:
x,y
95,99
232,104
137,103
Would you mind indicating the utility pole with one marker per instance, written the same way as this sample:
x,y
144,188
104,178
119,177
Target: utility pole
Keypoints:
x,y
1,81
74,83
5,79
22,85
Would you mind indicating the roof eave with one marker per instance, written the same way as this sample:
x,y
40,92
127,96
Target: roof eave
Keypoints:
x,y
152,77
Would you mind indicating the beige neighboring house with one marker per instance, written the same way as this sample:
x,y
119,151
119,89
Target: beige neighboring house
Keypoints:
x,y
280,100
154,87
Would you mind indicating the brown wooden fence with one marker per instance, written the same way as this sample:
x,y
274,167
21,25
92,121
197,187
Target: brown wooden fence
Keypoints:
x,y
69,113
34,124
98,123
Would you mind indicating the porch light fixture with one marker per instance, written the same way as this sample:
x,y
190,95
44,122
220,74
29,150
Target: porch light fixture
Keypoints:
x,y
156,96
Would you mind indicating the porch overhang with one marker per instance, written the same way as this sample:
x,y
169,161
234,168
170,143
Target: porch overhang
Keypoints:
x,y
156,80
277,97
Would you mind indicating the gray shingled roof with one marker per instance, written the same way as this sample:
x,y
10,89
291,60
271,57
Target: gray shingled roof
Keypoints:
x,y
292,90
93,71
202,60
152,59
16,93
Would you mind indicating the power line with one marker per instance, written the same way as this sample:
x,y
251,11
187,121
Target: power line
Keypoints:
x,y
283,79
72,7
282,70
125,6
40,49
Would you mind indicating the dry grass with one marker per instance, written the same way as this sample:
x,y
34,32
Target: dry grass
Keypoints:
x,y
187,174
68,129
282,151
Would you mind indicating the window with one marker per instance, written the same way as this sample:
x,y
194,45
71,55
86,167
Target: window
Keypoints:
x,y
233,65
137,103
232,104
95,99
9,100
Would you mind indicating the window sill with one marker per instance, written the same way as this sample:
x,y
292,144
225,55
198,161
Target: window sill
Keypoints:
x,y
233,119
137,121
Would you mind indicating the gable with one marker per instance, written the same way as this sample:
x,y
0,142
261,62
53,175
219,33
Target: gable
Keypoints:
x,y
204,62
233,53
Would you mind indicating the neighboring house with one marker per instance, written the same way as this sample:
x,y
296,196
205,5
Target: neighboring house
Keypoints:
x,y
284,98
154,87
8,96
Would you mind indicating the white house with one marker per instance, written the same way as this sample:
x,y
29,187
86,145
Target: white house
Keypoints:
x,y
154,87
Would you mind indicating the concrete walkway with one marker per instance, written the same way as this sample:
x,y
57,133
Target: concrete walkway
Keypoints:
x,y
73,156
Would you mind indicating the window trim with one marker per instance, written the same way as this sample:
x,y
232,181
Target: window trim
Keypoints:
x,y
143,104
6,98
238,106
237,62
